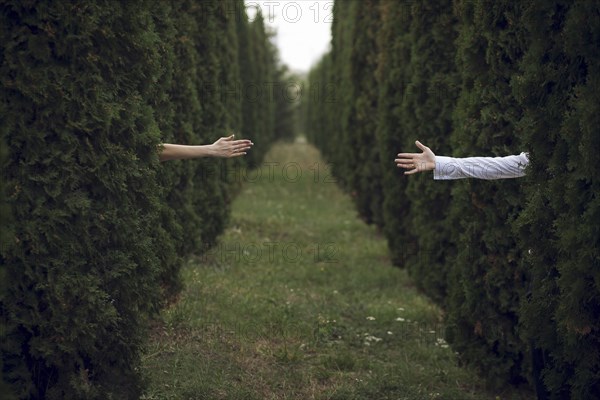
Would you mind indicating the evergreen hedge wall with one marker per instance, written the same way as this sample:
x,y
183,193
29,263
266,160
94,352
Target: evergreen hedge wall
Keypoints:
x,y
5,235
427,112
81,174
98,228
338,93
558,87
515,263
321,94
366,169
482,315
391,73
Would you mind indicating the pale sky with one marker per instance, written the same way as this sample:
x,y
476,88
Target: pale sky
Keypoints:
x,y
303,28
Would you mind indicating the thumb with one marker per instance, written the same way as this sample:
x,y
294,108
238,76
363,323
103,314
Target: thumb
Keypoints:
x,y
421,146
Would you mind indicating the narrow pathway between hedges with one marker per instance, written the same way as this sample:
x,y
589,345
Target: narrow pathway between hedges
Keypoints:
x,y
300,301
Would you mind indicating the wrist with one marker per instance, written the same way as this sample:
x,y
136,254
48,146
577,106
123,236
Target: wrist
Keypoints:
x,y
210,150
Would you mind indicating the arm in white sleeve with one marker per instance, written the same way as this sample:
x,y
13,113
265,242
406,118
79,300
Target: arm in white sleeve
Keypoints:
x,y
480,167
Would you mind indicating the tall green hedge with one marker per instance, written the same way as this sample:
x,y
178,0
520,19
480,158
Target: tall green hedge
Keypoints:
x,y
260,88
81,175
427,115
559,88
247,63
319,99
99,228
513,262
337,91
5,237
365,173
214,40
487,279
392,77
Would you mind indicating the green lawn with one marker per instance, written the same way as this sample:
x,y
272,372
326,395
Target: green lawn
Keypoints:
x,y
300,301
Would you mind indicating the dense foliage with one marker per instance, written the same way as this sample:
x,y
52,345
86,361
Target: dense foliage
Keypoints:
x,y
94,229
515,263
559,88
482,314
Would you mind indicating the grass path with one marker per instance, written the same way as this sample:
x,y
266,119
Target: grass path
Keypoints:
x,y
299,301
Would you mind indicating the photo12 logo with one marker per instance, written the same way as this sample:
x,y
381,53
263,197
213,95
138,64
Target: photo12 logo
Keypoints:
x,y
289,172
271,252
291,11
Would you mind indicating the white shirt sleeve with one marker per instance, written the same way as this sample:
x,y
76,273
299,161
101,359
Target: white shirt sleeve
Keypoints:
x,y
480,167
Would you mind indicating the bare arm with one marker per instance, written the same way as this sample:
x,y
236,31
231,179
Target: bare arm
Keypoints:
x,y
224,147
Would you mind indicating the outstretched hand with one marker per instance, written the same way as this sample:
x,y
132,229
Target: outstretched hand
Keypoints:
x,y
416,162
227,147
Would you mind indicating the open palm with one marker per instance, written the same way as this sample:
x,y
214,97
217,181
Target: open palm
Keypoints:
x,y
416,162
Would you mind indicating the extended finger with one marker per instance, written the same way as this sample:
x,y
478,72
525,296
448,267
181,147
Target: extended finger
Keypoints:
x,y
241,148
406,166
408,155
412,171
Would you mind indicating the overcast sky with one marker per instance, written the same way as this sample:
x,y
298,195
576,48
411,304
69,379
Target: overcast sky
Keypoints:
x,y
303,28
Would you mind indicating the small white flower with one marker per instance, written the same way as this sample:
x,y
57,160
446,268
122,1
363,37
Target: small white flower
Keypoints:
x,y
400,309
371,318
370,338
390,332
400,319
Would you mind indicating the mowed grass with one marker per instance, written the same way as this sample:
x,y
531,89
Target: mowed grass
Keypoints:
x,y
300,301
